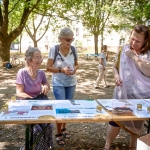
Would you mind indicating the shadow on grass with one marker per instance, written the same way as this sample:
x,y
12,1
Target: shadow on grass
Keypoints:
x,y
85,135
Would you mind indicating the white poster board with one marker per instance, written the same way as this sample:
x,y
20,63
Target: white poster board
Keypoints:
x,y
28,109
77,109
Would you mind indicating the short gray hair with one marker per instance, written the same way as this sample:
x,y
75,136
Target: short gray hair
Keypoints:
x,y
65,32
30,51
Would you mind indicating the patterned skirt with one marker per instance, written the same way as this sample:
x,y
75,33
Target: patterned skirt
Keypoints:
x,y
46,141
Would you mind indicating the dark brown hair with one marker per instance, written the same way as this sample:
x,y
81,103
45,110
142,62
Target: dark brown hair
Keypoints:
x,y
104,47
144,30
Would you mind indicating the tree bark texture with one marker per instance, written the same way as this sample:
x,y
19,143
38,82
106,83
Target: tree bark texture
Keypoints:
x,y
96,43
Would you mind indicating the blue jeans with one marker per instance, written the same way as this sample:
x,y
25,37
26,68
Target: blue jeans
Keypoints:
x,y
62,93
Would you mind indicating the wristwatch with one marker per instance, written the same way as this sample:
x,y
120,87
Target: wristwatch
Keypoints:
x,y
59,69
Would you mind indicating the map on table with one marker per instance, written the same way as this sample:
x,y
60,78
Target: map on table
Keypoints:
x,y
106,103
144,112
35,109
76,104
28,109
77,109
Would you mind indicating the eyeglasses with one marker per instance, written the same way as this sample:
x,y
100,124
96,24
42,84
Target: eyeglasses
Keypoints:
x,y
69,40
38,58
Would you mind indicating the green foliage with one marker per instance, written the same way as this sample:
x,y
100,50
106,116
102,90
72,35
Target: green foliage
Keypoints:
x,y
13,17
133,12
93,14
15,11
78,43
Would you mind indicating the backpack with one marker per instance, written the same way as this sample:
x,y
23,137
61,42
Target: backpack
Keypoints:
x,y
57,52
8,65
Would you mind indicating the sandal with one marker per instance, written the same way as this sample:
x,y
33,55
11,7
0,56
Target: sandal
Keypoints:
x,y
65,134
59,140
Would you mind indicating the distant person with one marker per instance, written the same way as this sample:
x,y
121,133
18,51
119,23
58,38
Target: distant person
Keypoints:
x,y
103,57
31,83
132,78
63,63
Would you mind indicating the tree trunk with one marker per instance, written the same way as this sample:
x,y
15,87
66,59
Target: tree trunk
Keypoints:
x,y
102,39
7,37
96,43
5,50
35,43
20,50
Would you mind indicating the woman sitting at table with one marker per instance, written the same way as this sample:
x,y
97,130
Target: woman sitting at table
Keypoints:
x,y
30,83
132,76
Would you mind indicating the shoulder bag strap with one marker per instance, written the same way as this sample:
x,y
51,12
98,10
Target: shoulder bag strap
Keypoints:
x,y
74,53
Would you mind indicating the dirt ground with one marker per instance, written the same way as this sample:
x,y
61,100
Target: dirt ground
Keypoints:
x,y
85,136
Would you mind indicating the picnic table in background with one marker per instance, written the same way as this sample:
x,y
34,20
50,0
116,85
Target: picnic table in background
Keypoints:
x,y
91,56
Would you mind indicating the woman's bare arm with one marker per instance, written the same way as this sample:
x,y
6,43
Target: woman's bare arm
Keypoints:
x,y
144,67
20,91
107,55
50,67
56,70
63,70
76,65
118,80
45,88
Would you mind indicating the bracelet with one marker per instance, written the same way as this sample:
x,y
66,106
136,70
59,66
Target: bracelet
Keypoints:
x,y
59,69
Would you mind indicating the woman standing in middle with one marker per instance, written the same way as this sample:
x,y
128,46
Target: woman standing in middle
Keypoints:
x,y
63,62
103,57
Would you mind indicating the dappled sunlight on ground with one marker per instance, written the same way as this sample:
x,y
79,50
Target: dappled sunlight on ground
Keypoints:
x,y
85,135
86,75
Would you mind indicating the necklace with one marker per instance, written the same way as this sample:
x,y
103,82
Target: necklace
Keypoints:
x,y
31,73
65,54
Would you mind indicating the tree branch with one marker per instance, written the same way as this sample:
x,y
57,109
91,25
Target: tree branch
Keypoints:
x,y
13,7
25,15
47,26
